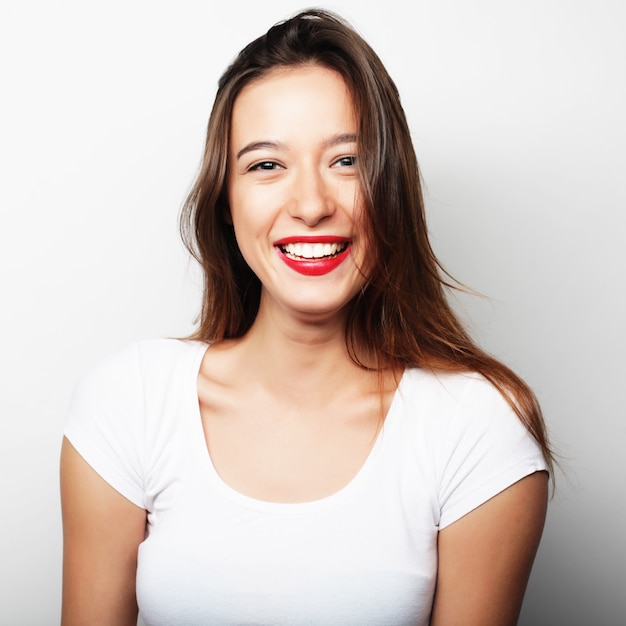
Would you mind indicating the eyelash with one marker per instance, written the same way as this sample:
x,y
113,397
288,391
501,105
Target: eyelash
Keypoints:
x,y
263,166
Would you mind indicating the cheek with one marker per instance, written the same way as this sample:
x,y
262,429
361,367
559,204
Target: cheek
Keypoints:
x,y
251,231
255,209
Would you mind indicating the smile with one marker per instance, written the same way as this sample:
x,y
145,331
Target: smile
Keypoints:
x,y
313,257
297,251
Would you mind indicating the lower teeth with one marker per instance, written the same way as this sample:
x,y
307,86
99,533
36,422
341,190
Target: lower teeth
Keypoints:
x,y
313,258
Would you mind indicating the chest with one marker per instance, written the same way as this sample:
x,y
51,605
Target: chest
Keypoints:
x,y
290,453
364,555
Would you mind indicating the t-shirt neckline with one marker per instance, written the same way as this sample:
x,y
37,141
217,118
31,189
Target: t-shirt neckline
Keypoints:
x,y
342,494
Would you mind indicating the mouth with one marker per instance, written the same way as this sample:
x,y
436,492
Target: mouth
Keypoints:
x,y
313,256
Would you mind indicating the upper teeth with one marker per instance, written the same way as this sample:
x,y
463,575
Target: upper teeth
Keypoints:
x,y
313,250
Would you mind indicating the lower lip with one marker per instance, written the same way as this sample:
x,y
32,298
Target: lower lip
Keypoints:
x,y
314,267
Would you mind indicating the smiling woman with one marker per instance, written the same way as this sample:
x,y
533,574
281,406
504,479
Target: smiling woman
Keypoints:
x,y
330,447
293,189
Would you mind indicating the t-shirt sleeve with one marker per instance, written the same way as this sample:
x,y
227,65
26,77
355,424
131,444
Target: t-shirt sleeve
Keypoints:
x,y
105,422
486,449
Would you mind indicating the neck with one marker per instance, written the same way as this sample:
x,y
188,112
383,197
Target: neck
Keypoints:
x,y
300,357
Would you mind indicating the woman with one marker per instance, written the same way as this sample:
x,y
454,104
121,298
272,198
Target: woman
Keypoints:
x,y
330,447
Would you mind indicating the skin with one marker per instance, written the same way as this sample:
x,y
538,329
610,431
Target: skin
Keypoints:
x,y
287,415
485,557
102,531
292,154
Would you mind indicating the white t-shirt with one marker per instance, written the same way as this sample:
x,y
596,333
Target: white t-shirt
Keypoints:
x,y
366,555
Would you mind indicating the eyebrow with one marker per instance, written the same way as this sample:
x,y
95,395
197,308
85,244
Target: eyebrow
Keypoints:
x,y
259,145
333,141
339,139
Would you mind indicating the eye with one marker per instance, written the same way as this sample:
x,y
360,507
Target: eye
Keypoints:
x,y
346,161
265,166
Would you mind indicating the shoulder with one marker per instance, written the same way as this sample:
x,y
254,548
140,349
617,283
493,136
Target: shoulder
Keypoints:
x,y
462,398
475,442
440,399
123,404
446,412
463,413
130,364
118,387
126,382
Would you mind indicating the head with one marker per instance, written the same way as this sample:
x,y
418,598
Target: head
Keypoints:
x,y
400,261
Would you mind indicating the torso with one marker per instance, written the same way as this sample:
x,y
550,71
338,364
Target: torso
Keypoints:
x,y
363,555
284,539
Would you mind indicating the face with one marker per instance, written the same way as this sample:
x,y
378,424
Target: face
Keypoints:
x,y
294,190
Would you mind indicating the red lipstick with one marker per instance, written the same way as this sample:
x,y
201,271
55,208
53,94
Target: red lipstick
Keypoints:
x,y
316,266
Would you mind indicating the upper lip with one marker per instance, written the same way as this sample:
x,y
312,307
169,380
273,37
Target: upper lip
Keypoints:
x,y
311,239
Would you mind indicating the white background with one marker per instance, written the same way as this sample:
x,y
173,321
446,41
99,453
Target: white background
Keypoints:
x,y
517,111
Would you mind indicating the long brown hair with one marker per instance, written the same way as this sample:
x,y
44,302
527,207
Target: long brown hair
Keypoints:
x,y
402,315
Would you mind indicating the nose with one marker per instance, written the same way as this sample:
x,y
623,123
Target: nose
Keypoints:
x,y
311,200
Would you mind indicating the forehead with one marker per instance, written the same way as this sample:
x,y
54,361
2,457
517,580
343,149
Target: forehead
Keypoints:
x,y
292,78
304,100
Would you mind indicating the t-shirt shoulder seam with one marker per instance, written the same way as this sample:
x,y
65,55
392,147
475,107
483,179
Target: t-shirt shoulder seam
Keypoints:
x,y
492,487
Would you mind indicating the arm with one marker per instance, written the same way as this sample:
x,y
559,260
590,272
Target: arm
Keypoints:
x,y
102,531
485,557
